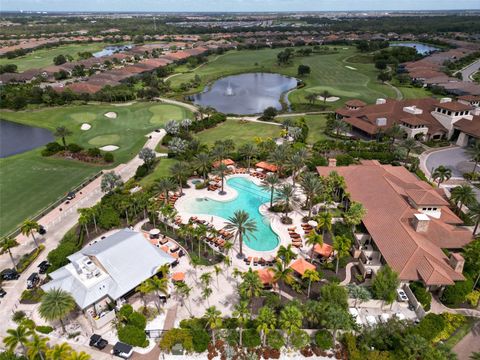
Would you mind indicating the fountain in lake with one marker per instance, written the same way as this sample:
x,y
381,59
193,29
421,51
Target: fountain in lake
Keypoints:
x,y
229,91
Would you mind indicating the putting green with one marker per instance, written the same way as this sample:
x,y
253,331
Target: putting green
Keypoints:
x,y
333,91
83,117
165,112
104,140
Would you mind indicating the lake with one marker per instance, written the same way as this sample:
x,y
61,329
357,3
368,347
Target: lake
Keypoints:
x,y
17,138
246,94
422,49
112,49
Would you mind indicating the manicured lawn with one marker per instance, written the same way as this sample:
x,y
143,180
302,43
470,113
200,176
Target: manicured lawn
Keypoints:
x,y
316,126
239,131
44,57
29,182
328,72
161,170
411,92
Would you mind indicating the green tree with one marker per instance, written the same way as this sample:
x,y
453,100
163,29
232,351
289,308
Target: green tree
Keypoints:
x,y
286,254
311,97
59,352
55,305
324,220
270,182
16,337
303,70
475,154
463,195
164,185
282,273
221,171
311,186
354,214
290,320
395,132
28,228
148,156
37,347
251,285
409,144
78,356
203,163
472,260
279,156
287,195
441,174
110,181
242,225
214,320
6,246
310,276
325,95
266,320
62,132
385,284
313,239
242,313
359,293
248,151
180,171
334,294
337,318
158,286
341,245
474,215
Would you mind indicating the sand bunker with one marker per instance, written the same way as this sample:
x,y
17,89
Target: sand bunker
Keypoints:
x,y
328,99
85,127
109,148
111,115
350,67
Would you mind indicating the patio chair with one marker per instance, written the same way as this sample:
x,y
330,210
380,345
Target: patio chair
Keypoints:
x,y
255,261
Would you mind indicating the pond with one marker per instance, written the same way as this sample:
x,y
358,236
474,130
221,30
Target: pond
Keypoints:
x,y
17,138
112,49
246,94
422,49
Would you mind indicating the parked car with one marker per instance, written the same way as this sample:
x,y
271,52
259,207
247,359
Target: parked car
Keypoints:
x,y
122,350
401,295
42,230
10,274
43,267
33,280
98,342
2,293
71,195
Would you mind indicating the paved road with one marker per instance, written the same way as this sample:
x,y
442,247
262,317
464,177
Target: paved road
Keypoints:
x,y
471,69
457,159
58,222
469,344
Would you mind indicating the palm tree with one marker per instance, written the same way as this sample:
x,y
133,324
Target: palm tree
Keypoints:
x,y
251,285
158,286
6,245
242,225
248,151
394,133
287,195
409,144
314,239
242,314
164,185
296,163
359,293
441,174
214,320
59,352
183,291
311,97
325,95
180,171
463,195
269,183
266,321
279,157
18,336
475,153
37,347
324,220
55,305
203,163
339,126
78,356
206,279
206,293
282,273
311,186
474,214
310,275
286,254
341,245
217,270
221,171
29,227
290,320
62,132
354,215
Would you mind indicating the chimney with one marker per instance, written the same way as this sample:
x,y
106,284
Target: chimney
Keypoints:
x,y
456,262
380,101
421,222
332,162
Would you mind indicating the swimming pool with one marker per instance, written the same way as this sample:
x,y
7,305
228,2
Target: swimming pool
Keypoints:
x,y
250,197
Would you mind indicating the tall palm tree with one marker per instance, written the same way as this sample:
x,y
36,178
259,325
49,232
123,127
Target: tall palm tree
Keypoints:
x,y
311,186
183,292
287,195
55,305
354,215
409,144
242,225
341,245
290,320
206,293
475,154
219,152
296,162
16,337
282,273
78,356
28,228
441,174
251,285
59,352
266,320
164,185
214,320
203,163
314,239
339,126
270,183
242,313
324,220
158,286
62,132
279,157
395,132
37,347
221,171
248,151
310,276
206,278
6,245
286,254
325,95
463,195
474,214
217,270
180,171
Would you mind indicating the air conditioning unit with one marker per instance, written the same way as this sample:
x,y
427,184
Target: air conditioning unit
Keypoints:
x,y
381,121
380,101
445,100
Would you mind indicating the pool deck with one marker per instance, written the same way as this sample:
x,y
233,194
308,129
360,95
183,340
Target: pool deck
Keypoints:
x,y
191,194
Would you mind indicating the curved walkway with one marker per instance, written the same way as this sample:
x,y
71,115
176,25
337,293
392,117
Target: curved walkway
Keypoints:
x,y
348,273
437,308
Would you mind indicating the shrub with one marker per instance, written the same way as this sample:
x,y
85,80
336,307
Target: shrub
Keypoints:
x,y
451,323
94,152
177,336
324,339
251,338
132,335
200,340
473,298
422,295
31,296
141,172
201,185
125,312
18,316
344,160
300,339
27,259
74,148
350,342
108,157
71,242
108,218
138,320
52,148
44,329
454,295
430,326
275,340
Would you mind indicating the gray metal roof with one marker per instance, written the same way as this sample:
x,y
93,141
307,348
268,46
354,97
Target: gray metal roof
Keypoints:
x,y
125,260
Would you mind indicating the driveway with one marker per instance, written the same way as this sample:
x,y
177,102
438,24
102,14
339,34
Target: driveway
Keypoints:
x,y
456,159
471,69
469,344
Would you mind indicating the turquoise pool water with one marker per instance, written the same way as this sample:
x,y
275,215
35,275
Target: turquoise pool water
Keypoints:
x,y
250,197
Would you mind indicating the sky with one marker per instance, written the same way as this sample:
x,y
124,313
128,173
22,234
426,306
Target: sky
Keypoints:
x,y
234,5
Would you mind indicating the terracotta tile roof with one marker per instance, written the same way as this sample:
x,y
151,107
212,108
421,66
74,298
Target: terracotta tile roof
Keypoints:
x,y
301,265
178,276
226,162
355,102
362,125
413,120
84,87
266,276
426,197
266,166
470,127
413,255
454,106
325,250
469,98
